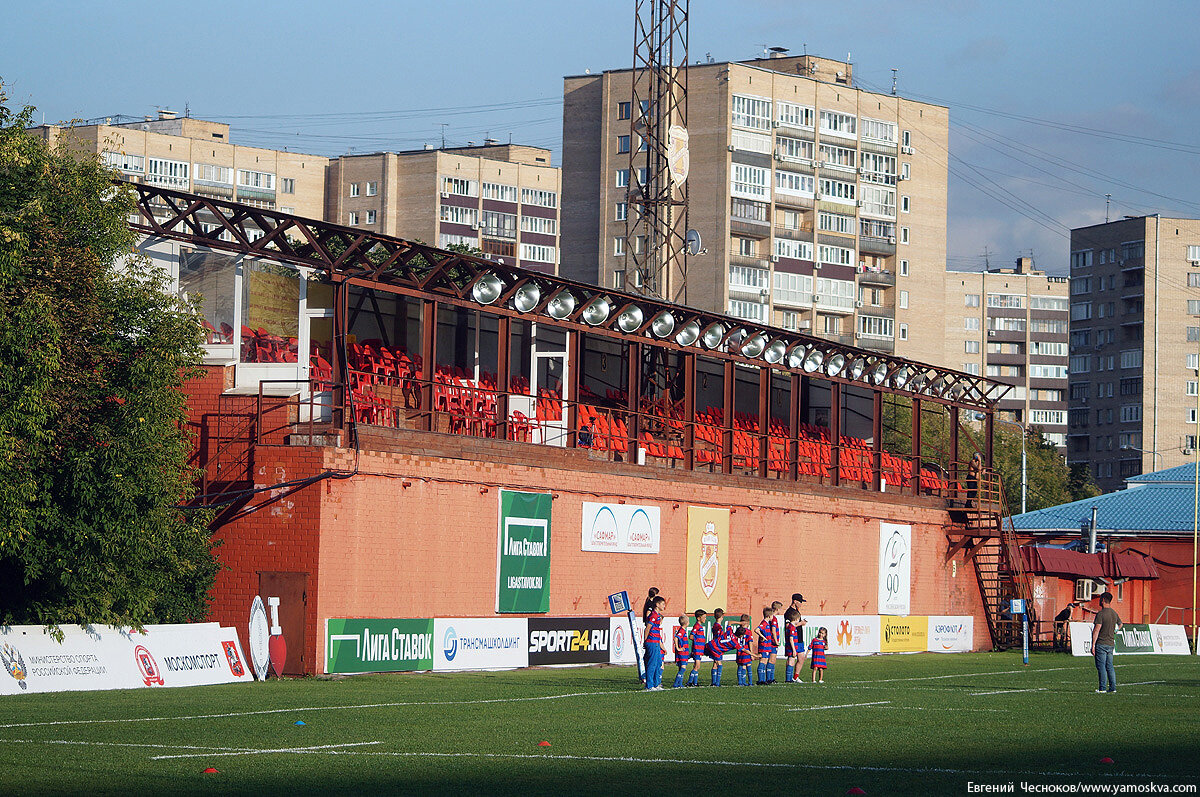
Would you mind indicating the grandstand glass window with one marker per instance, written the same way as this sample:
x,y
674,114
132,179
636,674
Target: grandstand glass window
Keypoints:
x,y
752,112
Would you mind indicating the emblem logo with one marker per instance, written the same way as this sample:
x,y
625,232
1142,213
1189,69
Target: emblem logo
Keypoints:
x,y
844,635
678,159
709,565
619,641
235,661
450,644
148,666
14,663
259,638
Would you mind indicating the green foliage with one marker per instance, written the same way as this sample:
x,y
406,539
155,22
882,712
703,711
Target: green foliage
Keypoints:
x,y
94,350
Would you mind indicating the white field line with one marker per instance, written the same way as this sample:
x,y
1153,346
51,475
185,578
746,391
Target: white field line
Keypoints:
x,y
1006,691
1003,773
1142,683
1002,672
323,748
207,751
317,708
847,705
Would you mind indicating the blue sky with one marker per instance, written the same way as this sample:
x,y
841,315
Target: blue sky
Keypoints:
x,y
1053,104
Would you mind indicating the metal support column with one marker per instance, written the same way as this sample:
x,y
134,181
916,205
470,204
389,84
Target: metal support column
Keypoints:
x,y
955,476
727,431
574,380
633,397
835,432
794,417
764,420
989,430
876,440
503,377
916,446
340,368
688,363
429,314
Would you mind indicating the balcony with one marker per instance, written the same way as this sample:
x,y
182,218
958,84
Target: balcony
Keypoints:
x,y
748,260
749,227
869,277
793,201
834,337
877,246
801,233
886,345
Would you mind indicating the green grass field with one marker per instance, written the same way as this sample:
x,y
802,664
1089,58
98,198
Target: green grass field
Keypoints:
x,y
889,725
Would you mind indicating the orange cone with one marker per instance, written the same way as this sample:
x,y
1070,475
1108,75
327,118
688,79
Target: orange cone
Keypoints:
x,y
1106,760
856,790
543,743
211,771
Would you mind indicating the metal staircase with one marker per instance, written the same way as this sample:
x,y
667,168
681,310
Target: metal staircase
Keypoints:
x,y
981,529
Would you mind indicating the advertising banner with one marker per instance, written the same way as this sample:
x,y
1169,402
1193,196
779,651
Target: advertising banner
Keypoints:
x,y
480,644
895,566
620,528
1134,638
353,645
849,634
1081,638
951,634
707,558
570,640
1170,639
903,634
102,657
623,646
523,553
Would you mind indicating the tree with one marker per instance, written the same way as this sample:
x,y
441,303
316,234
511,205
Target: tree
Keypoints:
x,y
94,351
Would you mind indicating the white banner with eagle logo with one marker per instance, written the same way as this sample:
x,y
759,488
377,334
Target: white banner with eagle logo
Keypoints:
x,y
895,568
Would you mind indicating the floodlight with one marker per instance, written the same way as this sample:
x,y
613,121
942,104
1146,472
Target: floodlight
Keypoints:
x,y
597,311
689,334
630,319
487,288
775,352
663,324
713,336
526,298
561,305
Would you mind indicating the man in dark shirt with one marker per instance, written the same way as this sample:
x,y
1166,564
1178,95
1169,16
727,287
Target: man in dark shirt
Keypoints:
x,y
1104,642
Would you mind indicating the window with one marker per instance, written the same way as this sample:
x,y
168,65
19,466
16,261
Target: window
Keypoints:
x,y
1048,349
1013,301
1007,324
1048,417
753,311
793,183
1047,303
752,211
836,190
903,300
746,247
370,217
537,254
1131,413
906,171
971,347
536,196
1082,259
837,255
208,173
1132,386
622,211
1047,372
456,215
1081,363
1193,253
618,279
794,149
622,144
839,124
971,368
619,246
904,332
1131,358
1081,311
903,235
1081,285
285,209
971,322
623,112
903,268
878,168
752,112
539,225
835,222
904,204
870,326
353,219
166,172
1045,394
748,277
508,193
262,181
971,300
871,296
793,288
1044,325
1192,361
751,182
446,240
1133,250
1193,306
372,188
835,293
499,225
354,189
622,178
751,142
789,319
794,115
835,157
287,185
135,164
1007,371
1190,387
877,130
794,250
906,138
1005,347
459,186
878,201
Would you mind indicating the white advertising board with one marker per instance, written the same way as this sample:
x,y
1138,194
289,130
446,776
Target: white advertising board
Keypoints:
x,y
624,646
102,657
1170,639
849,634
951,634
495,643
620,528
895,568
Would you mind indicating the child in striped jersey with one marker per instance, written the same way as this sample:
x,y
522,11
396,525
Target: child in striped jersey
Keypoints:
x,y
745,654
792,644
654,652
720,644
818,646
768,644
699,642
683,649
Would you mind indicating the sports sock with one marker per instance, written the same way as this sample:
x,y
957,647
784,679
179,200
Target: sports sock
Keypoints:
x,y
679,678
789,672
762,672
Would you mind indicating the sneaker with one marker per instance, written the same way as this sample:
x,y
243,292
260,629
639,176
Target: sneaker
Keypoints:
x,y
1101,691
1112,691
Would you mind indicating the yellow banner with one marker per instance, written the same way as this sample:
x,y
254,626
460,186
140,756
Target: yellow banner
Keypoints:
x,y
707,558
903,634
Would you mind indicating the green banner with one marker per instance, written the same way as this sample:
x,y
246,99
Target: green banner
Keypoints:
x,y
1135,638
378,645
523,567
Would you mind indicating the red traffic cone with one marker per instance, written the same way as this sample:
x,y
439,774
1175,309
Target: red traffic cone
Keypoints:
x,y
543,743
1106,760
211,771
855,790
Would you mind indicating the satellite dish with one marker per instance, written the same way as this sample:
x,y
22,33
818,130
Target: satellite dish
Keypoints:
x,y
692,242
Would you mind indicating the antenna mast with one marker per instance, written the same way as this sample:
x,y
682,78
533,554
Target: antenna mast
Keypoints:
x,y
656,224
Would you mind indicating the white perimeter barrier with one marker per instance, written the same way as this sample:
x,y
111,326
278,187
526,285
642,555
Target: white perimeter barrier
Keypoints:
x,y
103,657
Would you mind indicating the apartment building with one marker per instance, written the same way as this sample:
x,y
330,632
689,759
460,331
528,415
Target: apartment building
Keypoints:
x,y
1134,347
1011,324
822,205
500,198
196,155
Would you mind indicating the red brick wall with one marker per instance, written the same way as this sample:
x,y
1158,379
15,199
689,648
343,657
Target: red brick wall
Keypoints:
x,y
376,548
